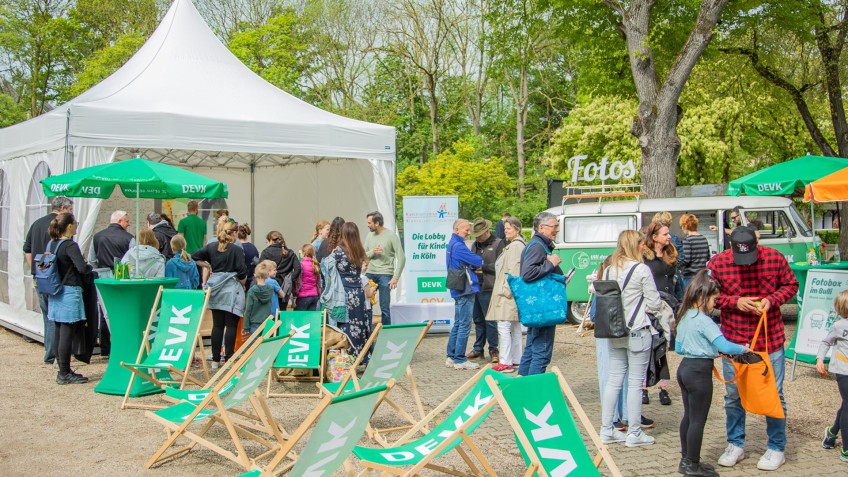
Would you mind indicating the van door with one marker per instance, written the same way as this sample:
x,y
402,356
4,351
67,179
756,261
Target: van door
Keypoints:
x,y
779,231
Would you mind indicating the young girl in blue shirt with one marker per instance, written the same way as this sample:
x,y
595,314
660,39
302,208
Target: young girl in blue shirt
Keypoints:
x,y
698,340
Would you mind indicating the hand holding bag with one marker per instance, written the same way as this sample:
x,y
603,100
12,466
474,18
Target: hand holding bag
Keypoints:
x,y
541,302
609,307
755,379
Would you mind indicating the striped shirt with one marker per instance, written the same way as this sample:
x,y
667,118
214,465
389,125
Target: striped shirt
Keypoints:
x,y
696,253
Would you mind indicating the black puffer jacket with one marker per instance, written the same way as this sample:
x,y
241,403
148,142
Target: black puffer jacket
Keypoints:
x,y
285,264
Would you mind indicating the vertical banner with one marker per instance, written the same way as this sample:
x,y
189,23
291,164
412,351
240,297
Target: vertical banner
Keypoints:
x,y
427,227
817,315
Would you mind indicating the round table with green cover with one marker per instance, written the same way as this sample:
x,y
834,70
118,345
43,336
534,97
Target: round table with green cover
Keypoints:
x,y
128,304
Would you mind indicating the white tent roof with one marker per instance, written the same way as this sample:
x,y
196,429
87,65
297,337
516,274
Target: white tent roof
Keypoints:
x,y
184,90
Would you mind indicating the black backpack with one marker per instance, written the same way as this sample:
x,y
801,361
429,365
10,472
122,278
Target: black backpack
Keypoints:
x,y
609,308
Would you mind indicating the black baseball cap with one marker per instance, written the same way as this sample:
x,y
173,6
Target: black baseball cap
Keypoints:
x,y
743,241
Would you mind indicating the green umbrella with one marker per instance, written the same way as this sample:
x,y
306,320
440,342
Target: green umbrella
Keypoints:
x,y
787,177
137,178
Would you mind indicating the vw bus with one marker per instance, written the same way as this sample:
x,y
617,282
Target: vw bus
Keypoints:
x,y
589,231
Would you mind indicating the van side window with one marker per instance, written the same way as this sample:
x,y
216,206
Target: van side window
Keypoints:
x,y
596,228
771,223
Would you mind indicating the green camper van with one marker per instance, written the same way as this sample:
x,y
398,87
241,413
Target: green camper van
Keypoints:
x,y
589,230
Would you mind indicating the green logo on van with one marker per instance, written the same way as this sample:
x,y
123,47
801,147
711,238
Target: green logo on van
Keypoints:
x,y
580,260
432,284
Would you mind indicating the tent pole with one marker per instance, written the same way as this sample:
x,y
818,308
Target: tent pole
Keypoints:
x,y
137,219
252,196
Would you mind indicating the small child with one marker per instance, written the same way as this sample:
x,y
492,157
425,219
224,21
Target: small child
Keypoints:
x,y
837,337
310,280
182,266
699,341
272,281
258,301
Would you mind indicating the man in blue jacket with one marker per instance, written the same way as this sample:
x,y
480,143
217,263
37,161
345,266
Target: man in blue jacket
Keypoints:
x,y
537,262
458,254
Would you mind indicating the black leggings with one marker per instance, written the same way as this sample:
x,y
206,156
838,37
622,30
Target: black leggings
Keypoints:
x,y
223,319
694,375
841,422
62,345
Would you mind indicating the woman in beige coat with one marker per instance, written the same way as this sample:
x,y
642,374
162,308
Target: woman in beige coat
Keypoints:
x,y
502,307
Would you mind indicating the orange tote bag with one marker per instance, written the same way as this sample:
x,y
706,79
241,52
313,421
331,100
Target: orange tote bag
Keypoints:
x,y
755,379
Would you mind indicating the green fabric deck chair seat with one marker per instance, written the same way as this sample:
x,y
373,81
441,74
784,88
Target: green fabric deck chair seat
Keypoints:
x,y
304,351
447,435
252,368
167,361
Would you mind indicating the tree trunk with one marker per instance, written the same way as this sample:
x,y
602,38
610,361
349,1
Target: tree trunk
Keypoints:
x,y
434,114
522,100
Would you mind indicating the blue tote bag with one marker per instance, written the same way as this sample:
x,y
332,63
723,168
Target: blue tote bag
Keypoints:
x,y
542,302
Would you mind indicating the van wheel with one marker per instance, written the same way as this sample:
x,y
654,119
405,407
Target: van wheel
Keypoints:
x,y
576,309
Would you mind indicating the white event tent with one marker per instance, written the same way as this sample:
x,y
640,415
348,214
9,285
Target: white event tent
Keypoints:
x,y
185,100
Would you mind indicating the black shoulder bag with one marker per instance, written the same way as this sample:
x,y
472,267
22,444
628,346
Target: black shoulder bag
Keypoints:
x,y
457,277
609,307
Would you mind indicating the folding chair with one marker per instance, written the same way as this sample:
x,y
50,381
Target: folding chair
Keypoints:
x,y
545,429
174,343
390,357
341,420
254,365
304,351
457,428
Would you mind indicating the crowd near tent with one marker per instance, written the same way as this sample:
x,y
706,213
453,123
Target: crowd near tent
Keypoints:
x,y
185,100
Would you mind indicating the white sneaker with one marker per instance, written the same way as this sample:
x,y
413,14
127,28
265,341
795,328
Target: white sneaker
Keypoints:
x,y
732,455
637,440
466,365
449,363
616,436
771,460
215,365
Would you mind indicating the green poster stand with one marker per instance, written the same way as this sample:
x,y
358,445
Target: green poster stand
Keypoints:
x,y
128,304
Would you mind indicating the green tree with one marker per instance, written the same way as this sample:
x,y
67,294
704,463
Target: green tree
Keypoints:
x,y
481,183
10,111
104,62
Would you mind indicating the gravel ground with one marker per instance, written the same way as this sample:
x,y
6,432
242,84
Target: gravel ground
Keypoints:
x,y
70,430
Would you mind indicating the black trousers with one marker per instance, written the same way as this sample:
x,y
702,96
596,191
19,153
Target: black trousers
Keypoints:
x,y
694,375
224,328
62,345
841,422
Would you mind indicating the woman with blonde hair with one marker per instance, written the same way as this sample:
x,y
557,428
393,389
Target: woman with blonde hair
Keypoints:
x,y
181,265
322,231
628,356
151,263
502,307
225,259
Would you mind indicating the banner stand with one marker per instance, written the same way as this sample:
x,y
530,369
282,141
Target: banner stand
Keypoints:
x,y
816,314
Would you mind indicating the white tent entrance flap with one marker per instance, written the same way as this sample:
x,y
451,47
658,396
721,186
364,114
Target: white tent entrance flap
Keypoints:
x,y
185,100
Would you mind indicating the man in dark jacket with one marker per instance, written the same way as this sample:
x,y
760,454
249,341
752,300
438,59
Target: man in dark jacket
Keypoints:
x,y
457,257
489,248
35,244
163,231
107,245
539,261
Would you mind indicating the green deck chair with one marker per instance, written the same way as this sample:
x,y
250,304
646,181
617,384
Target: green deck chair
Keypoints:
x,y
215,408
457,428
544,427
304,351
174,343
392,349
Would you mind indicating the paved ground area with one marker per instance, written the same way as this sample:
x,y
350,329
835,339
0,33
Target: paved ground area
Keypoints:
x,y
69,430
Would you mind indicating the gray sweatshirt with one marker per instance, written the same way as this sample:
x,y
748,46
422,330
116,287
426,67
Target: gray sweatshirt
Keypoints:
x,y
838,337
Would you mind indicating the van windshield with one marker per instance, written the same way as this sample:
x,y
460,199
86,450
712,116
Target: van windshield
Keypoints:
x,y
800,222
596,228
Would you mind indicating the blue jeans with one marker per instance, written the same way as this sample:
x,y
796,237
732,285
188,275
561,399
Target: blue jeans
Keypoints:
x,y
537,350
49,329
775,428
484,330
603,355
458,338
384,296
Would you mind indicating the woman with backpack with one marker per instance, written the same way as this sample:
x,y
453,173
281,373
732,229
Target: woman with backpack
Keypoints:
x,y
288,265
628,356
65,308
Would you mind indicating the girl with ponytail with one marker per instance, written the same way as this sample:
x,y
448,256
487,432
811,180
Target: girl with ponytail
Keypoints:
x,y
310,280
182,266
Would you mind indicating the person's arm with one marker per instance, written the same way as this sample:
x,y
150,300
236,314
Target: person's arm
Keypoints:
x,y
466,256
202,255
369,247
724,301
400,260
248,311
787,289
726,347
239,266
649,288
75,254
535,263
28,247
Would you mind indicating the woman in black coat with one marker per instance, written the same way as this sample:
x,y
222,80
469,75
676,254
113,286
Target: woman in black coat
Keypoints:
x,y
288,265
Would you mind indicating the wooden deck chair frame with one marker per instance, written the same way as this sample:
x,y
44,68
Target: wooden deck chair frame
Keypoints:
x,y
461,432
297,435
535,467
278,376
373,432
145,349
235,425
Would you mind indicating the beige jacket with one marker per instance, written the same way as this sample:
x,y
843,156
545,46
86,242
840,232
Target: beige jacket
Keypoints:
x,y
502,306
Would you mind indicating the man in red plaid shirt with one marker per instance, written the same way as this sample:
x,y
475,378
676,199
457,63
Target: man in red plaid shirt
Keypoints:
x,y
752,279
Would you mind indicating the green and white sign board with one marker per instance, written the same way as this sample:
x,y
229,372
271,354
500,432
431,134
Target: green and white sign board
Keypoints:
x,y
545,419
817,315
338,430
304,348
